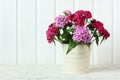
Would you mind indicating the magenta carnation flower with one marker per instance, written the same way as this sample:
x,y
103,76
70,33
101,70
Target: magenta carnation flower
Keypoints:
x,y
51,32
79,17
82,35
49,39
60,21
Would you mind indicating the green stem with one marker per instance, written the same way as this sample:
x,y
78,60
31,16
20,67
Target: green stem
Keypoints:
x,y
95,39
94,32
92,41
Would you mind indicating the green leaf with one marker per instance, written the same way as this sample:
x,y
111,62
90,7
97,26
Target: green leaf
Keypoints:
x,y
91,28
71,45
94,33
88,44
56,38
97,40
96,37
102,40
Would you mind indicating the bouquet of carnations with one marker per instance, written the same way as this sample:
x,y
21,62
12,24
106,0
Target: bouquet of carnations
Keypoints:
x,y
77,28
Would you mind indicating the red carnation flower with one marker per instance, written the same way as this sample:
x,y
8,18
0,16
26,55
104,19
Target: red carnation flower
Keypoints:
x,y
87,14
106,34
79,17
70,17
99,26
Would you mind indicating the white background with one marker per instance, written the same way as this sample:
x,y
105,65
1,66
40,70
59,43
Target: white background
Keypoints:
x,y
23,25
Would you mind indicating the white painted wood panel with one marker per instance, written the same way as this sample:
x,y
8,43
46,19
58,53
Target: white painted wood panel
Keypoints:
x,y
8,31
45,16
26,31
116,30
103,12
23,25
62,5
83,4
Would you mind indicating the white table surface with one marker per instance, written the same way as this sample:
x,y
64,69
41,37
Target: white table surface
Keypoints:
x,y
53,72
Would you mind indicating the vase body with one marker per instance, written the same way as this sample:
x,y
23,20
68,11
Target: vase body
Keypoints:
x,y
77,60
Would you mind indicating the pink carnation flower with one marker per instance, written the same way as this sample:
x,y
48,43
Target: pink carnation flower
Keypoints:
x,y
82,35
60,21
68,12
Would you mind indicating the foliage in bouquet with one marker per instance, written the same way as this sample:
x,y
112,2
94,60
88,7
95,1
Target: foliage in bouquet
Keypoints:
x,y
76,28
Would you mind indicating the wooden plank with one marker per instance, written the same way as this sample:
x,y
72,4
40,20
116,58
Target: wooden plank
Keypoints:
x,y
103,12
45,15
26,31
84,5
62,5
7,31
116,32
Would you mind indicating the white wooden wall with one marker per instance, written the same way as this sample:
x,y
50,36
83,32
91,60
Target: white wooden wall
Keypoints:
x,y
23,25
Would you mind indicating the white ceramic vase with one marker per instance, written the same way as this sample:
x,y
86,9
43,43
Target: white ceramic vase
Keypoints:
x,y
77,60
